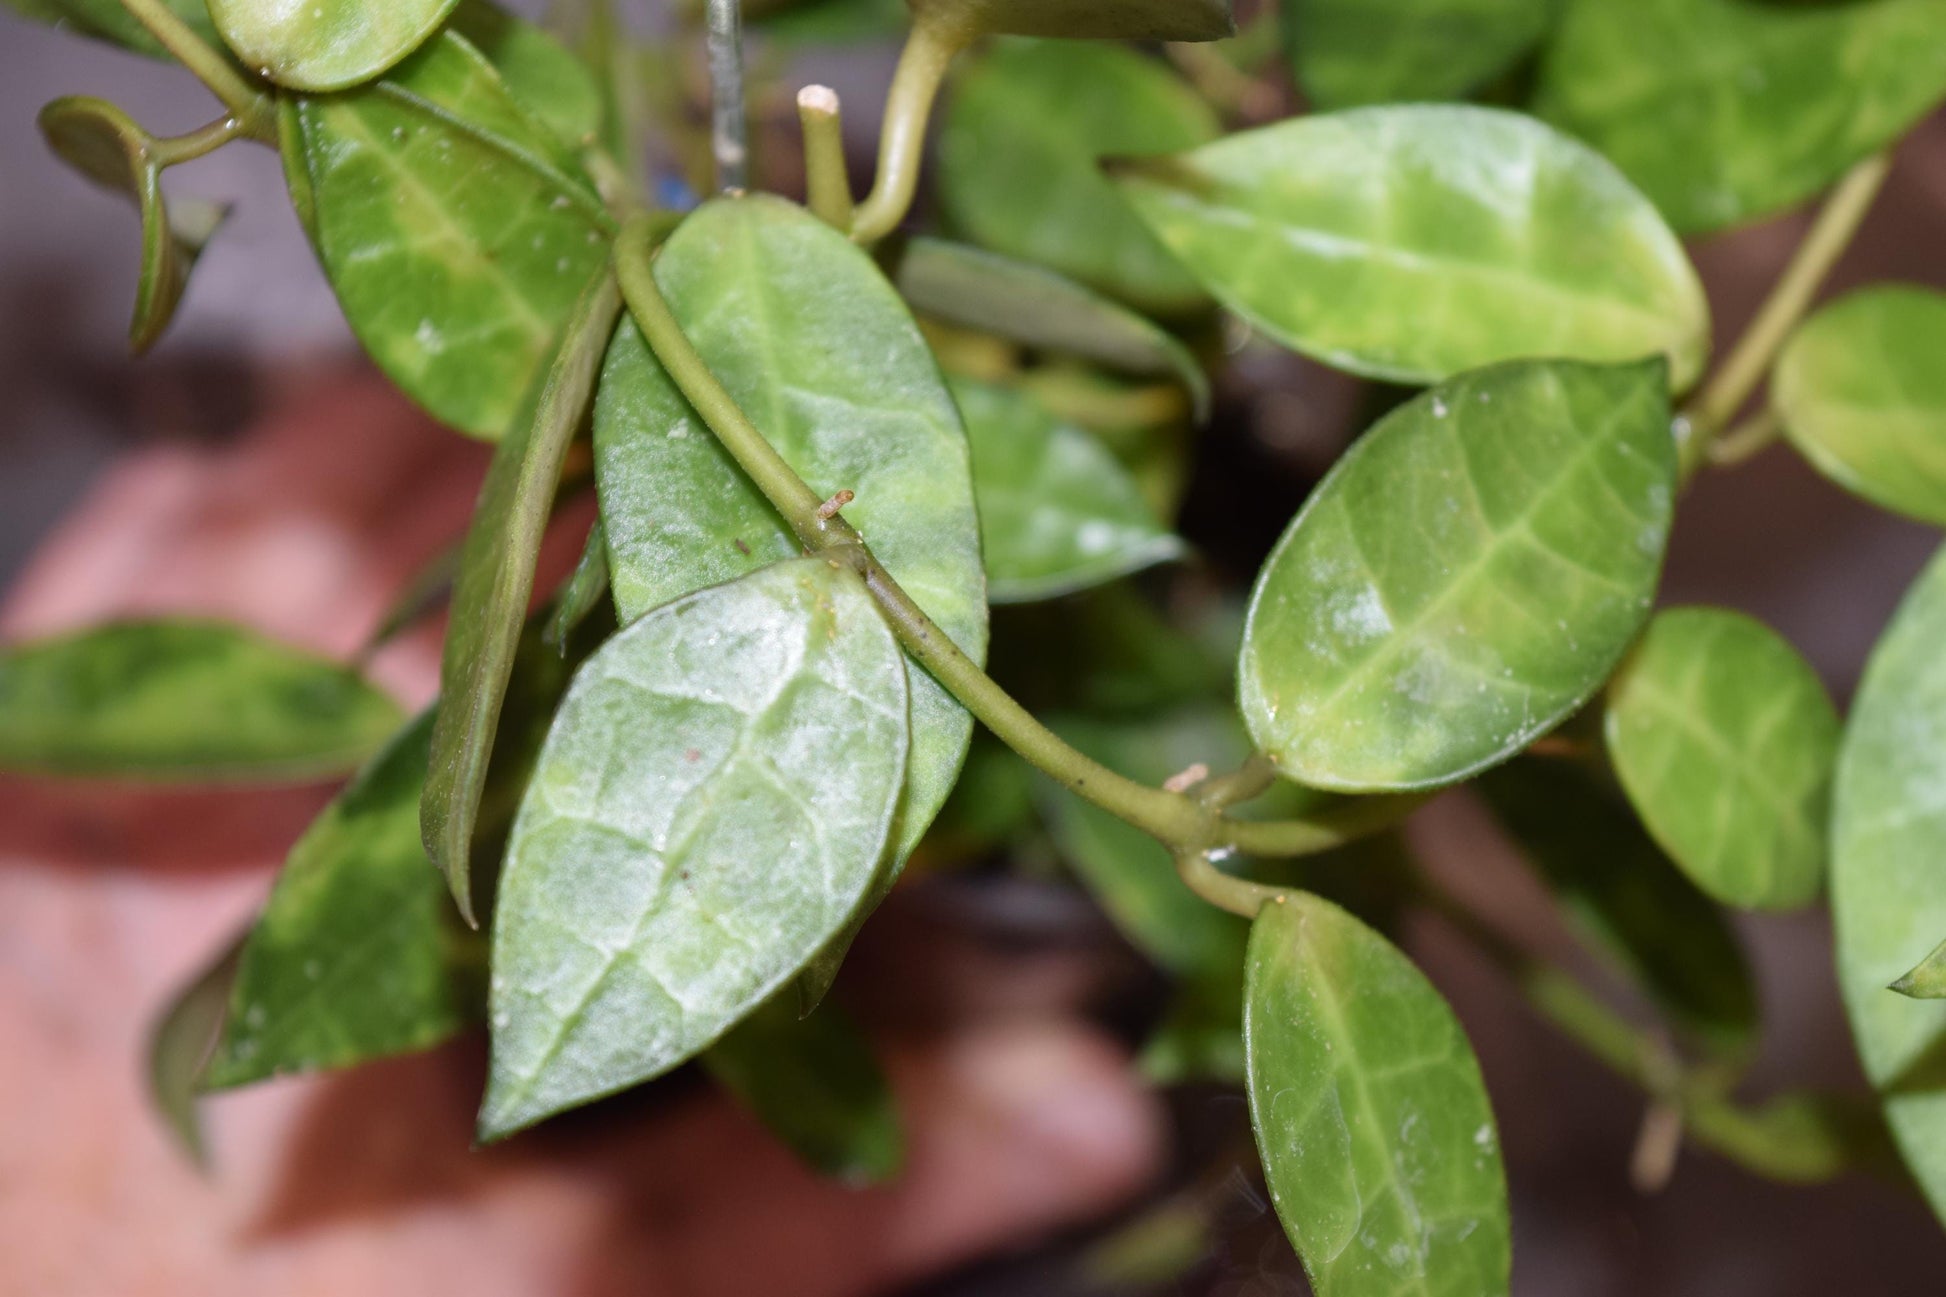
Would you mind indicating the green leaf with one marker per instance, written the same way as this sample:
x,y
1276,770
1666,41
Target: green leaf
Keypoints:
x,y
1624,895
1353,52
708,813
1377,1139
586,586
496,583
184,702
1031,305
326,44
456,230
1017,162
1928,980
104,144
1725,740
1863,396
542,75
1058,512
1888,898
1724,111
1465,578
829,22
1411,243
1110,652
107,20
180,1048
806,334
357,955
815,1084
1108,20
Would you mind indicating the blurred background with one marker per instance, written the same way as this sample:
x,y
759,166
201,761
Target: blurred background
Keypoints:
x,y
1770,538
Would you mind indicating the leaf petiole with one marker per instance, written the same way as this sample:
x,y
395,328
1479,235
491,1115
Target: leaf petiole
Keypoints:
x,y
251,109
929,50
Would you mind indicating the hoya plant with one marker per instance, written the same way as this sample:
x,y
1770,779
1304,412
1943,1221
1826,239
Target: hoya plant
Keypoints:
x,y
842,453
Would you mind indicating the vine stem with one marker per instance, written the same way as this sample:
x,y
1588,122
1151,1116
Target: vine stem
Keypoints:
x,y
729,129
827,187
1741,372
930,49
250,108
1181,822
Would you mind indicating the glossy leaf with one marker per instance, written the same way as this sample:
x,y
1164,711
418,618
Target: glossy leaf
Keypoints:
x,y
1928,980
357,954
816,346
1353,52
184,702
326,44
1031,305
456,230
1023,133
814,1083
1725,740
1727,110
495,584
1862,394
1377,1139
1624,895
103,143
1058,513
1413,242
1888,891
708,813
107,20
1465,578
542,74
180,1048
1108,20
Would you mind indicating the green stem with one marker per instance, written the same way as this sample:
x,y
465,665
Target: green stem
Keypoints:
x,y
250,108
1757,350
1747,439
1178,821
1240,896
827,187
198,143
929,51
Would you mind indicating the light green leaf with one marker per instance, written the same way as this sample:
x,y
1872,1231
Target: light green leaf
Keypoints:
x,y
326,44
542,75
1413,242
1888,888
807,335
1928,980
496,583
1377,1138
104,144
1465,578
184,702
815,1084
1031,305
1108,20
1862,394
180,1048
1018,150
1058,512
1727,110
1725,740
708,813
456,230
107,20
1623,895
1353,52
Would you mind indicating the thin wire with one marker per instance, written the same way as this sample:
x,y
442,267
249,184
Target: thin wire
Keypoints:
x,y
729,131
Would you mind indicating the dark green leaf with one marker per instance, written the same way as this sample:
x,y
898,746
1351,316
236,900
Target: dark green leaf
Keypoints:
x,y
1017,162
1411,243
1888,896
1126,20
830,22
586,587
326,44
1111,651
1928,980
495,584
103,143
1031,305
456,230
542,75
1727,110
814,1082
107,20
1624,896
1465,578
709,811
1725,740
1352,52
1058,512
1862,394
1377,1139
811,340
184,702
180,1048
